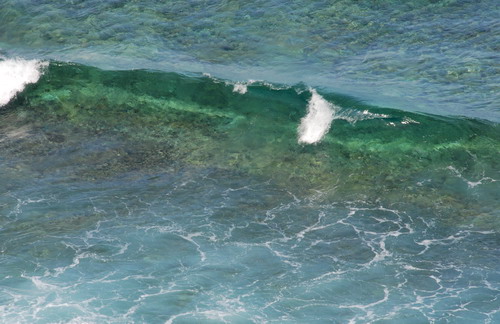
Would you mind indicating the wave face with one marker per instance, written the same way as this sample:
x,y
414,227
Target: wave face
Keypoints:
x,y
144,196
15,74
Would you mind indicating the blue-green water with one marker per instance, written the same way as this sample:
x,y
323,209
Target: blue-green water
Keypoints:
x,y
422,55
146,177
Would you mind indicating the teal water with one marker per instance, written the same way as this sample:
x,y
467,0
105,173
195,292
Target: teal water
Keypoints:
x,y
136,196
227,162
430,56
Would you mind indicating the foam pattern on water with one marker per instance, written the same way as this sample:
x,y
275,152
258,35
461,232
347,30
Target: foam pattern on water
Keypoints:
x,y
138,196
196,246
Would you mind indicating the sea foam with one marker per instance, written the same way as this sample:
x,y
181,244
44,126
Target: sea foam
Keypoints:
x,y
320,114
15,74
240,88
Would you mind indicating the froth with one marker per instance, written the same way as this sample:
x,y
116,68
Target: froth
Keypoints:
x,y
15,74
240,88
314,126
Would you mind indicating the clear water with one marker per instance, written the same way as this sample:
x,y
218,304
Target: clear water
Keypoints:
x,y
135,189
423,55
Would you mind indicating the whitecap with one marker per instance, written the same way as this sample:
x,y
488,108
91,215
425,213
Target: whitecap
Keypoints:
x,y
15,74
353,116
240,88
320,114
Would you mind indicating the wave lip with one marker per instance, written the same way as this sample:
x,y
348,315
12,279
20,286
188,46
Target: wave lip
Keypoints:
x,y
314,126
15,74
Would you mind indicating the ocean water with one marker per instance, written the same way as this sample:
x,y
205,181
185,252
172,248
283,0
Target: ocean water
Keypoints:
x,y
249,162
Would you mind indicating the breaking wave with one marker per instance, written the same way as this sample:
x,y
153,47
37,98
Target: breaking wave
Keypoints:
x,y
15,74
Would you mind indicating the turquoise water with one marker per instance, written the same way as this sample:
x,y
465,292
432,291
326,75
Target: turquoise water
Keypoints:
x,y
221,162
423,55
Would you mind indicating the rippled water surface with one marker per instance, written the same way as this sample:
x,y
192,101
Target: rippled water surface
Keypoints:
x,y
431,56
236,162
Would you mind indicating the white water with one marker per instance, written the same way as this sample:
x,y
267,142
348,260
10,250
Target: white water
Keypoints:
x,y
314,126
240,88
15,74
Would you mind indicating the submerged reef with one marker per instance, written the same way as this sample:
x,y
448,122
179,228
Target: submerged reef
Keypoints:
x,y
95,124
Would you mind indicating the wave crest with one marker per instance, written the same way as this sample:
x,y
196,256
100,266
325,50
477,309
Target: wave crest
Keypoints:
x,y
15,74
320,114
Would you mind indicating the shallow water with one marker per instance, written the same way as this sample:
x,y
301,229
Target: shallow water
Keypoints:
x,y
151,179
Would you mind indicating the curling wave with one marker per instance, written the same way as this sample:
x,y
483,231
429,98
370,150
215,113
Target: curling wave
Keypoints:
x,y
15,74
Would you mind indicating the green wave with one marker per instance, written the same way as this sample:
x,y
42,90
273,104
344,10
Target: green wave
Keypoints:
x,y
96,124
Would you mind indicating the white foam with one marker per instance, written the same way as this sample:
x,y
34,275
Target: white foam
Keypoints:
x,y
352,116
471,184
240,88
15,74
314,126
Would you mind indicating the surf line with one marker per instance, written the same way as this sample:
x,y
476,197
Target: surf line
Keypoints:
x,y
316,123
15,74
